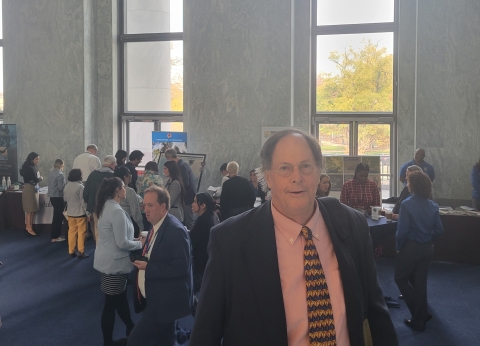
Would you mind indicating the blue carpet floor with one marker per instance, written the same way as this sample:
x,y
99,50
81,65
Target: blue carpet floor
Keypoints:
x,y
50,299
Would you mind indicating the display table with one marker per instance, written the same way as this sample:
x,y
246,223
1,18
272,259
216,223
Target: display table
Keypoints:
x,y
12,215
458,244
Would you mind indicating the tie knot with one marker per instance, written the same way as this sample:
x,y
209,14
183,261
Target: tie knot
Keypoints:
x,y
306,232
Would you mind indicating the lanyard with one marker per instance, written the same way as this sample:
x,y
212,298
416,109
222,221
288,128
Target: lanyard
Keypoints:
x,y
150,241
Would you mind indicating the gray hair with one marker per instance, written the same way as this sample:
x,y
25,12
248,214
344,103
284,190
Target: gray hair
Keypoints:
x,y
92,146
109,160
170,154
414,168
266,154
162,195
233,167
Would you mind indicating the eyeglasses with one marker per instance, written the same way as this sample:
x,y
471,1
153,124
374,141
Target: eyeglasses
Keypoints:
x,y
286,169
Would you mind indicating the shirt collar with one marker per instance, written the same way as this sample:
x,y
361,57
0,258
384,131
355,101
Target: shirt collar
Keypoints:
x,y
159,223
291,230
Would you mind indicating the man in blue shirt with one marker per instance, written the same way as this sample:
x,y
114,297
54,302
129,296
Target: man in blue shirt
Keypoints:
x,y
417,160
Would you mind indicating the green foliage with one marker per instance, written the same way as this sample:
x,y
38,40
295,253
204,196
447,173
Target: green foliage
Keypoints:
x,y
364,82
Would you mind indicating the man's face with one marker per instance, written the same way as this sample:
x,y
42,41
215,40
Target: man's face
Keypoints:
x,y
153,210
419,156
295,193
137,162
362,176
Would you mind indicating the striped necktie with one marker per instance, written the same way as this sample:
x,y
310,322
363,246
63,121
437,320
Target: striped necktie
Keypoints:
x,y
147,242
321,327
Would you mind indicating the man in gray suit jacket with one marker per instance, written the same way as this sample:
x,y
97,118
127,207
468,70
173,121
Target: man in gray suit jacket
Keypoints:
x,y
263,262
165,280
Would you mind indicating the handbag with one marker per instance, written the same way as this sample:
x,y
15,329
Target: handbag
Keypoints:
x,y
65,213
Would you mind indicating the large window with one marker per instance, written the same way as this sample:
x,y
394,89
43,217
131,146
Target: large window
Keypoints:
x,y
354,84
151,78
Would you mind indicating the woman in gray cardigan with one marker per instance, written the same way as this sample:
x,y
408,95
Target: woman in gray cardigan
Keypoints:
x,y
175,188
112,255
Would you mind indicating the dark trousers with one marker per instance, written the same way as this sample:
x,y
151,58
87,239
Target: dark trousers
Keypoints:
x,y
58,206
476,204
118,303
149,332
411,278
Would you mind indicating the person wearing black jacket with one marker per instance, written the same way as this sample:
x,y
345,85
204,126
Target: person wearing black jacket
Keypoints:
x,y
31,177
237,194
200,235
257,189
134,160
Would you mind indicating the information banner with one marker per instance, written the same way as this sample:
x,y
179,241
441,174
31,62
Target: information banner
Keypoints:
x,y
162,141
8,152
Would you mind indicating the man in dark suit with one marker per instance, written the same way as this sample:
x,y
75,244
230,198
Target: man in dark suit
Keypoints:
x,y
237,193
188,183
164,281
278,273
134,159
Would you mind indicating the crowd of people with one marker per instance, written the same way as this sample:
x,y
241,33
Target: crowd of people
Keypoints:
x,y
257,261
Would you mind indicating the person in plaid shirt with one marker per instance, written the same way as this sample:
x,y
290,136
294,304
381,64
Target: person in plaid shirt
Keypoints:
x,y
360,193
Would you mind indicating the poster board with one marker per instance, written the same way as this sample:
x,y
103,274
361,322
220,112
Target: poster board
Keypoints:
x,y
162,141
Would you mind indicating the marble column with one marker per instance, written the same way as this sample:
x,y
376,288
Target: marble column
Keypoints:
x,y
59,76
237,77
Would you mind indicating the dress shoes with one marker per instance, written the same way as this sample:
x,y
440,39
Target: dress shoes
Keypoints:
x,y
400,296
82,255
391,303
411,325
31,234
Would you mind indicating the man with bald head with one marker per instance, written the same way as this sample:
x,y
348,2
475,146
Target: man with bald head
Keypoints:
x,y
294,271
418,160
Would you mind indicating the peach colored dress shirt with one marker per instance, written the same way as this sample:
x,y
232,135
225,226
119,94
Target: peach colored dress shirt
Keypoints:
x,y
290,244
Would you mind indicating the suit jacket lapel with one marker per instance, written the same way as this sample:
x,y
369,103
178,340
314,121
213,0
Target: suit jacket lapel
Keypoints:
x,y
261,256
161,233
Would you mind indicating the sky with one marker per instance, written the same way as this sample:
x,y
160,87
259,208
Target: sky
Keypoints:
x,y
334,12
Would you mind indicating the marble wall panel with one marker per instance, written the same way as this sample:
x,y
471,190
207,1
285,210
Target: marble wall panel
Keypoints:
x,y
448,101
106,83
406,83
302,63
50,77
236,76
43,77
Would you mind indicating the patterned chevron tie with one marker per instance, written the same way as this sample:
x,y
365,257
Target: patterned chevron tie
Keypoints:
x,y
321,327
